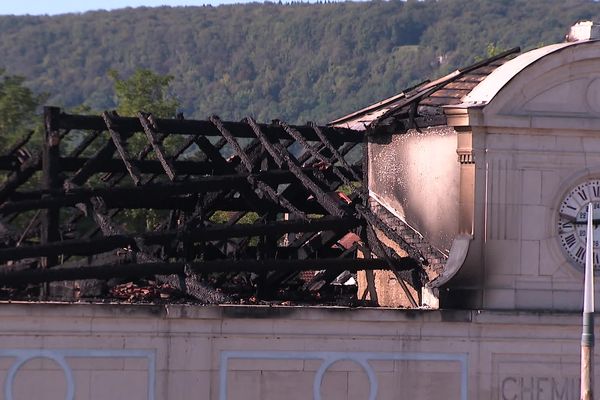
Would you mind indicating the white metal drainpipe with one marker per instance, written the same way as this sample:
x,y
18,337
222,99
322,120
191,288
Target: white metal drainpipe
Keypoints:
x,y
587,336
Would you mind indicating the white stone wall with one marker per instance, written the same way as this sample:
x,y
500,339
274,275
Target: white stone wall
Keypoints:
x,y
58,351
527,177
534,140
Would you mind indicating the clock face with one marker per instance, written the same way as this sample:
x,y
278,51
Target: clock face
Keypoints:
x,y
572,221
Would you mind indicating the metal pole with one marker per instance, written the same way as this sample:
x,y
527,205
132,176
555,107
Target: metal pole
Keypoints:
x,y
587,336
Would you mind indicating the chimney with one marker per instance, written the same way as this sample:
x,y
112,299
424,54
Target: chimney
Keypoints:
x,y
583,30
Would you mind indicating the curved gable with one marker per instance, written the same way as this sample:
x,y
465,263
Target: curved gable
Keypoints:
x,y
554,87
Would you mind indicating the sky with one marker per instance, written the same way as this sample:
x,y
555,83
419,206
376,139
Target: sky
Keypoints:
x,y
52,7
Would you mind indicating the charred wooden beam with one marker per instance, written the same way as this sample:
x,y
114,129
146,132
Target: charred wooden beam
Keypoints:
x,y
20,176
113,200
281,154
9,163
375,222
209,233
207,128
150,269
250,166
121,147
186,281
149,130
73,164
279,228
232,142
265,140
146,166
308,245
325,277
51,181
45,198
300,139
220,163
92,164
24,140
336,154
89,139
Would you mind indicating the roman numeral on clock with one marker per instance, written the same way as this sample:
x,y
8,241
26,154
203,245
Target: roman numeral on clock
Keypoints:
x,y
570,240
580,253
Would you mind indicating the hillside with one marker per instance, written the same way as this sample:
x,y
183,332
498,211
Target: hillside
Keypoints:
x,y
292,61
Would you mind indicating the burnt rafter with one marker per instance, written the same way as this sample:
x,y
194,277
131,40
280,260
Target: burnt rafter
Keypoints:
x,y
227,199
192,127
151,134
121,147
257,184
215,232
282,156
150,269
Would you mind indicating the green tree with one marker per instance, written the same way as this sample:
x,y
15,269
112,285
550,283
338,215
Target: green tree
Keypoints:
x,y
18,105
149,92
144,91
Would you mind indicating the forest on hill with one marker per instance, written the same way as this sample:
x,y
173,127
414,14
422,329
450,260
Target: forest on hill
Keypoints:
x,y
296,61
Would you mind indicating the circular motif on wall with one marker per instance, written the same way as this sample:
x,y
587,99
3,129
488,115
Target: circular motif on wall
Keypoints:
x,y
592,95
572,221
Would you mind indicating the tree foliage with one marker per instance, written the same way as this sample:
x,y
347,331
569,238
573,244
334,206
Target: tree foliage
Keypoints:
x,y
294,61
144,91
18,105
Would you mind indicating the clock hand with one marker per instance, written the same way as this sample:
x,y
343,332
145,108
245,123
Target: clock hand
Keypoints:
x,y
595,222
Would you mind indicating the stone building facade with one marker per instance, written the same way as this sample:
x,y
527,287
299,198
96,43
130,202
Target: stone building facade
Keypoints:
x,y
499,184
485,172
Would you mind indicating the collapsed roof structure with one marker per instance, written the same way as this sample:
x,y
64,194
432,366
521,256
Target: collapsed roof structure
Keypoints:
x,y
234,204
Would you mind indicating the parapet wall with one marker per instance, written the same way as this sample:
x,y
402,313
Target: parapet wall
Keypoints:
x,y
110,351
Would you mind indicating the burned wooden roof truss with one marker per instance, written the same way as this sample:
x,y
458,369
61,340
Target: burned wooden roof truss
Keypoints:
x,y
224,202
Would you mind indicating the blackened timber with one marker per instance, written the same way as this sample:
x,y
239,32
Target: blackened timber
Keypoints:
x,y
300,139
186,203
82,247
89,139
40,199
13,150
209,233
308,246
156,145
336,154
151,269
74,164
50,166
220,163
159,137
277,150
250,166
20,176
325,277
234,143
92,164
337,135
185,281
121,147
144,166
217,232
375,222
9,163
265,140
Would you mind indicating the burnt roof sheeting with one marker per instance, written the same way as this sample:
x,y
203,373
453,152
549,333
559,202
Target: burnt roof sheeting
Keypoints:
x,y
447,90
